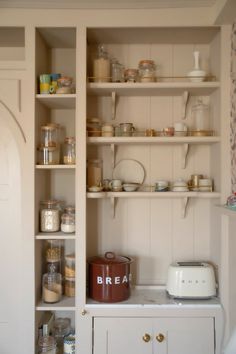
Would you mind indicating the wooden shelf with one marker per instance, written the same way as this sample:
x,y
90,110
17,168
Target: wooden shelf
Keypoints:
x,y
160,195
55,236
57,101
55,167
66,304
153,140
152,89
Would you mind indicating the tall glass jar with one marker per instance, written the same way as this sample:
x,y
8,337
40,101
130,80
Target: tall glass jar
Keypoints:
x,y
49,155
52,286
117,72
70,266
101,66
147,71
49,136
94,173
69,155
50,216
47,345
201,116
61,329
53,251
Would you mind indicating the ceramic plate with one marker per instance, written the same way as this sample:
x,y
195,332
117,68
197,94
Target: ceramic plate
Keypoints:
x,y
129,171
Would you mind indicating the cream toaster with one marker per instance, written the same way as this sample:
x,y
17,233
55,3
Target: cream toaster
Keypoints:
x,y
191,280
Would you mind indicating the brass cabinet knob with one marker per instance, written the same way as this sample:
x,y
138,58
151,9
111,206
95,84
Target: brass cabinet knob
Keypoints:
x,y
146,337
83,312
160,337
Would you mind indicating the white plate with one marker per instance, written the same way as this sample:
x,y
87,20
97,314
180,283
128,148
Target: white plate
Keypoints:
x,y
129,171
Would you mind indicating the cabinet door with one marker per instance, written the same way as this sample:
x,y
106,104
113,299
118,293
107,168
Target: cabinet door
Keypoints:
x,y
123,335
185,335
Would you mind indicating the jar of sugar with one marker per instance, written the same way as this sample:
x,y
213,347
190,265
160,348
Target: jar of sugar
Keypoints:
x,y
68,223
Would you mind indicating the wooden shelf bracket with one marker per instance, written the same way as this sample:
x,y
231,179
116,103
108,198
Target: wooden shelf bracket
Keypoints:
x,y
113,105
184,202
185,151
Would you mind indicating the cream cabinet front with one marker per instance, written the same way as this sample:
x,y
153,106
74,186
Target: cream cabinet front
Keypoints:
x,y
154,335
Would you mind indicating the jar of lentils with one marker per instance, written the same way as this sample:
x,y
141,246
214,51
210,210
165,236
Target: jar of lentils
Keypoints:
x,y
147,71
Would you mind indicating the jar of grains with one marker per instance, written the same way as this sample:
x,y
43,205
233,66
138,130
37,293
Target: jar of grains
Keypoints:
x,y
68,223
52,286
69,151
53,251
50,216
70,287
94,127
147,71
47,345
70,266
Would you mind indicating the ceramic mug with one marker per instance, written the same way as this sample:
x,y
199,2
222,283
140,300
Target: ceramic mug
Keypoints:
x,y
180,129
115,185
161,186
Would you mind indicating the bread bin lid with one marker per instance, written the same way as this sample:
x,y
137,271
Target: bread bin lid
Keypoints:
x,y
109,258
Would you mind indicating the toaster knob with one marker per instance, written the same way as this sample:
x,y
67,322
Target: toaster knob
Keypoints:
x,y
146,337
160,337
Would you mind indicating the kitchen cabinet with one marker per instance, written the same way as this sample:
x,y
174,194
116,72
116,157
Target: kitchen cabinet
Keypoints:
x,y
154,335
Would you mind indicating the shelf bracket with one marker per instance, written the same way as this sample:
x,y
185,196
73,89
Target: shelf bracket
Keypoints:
x,y
113,105
185,98
113,155
113,201
185,151
184,202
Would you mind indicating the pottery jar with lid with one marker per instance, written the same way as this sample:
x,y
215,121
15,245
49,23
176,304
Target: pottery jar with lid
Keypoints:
x,y
109,277
94,127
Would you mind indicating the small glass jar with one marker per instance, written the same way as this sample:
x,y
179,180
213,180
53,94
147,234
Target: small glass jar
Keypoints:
x,y
70,287
147,71
53,251
70,266
131,75
69,151
69,344
94,173
68,223
47,345
49,136
61,329
117,72
50,216
52,286
69,209
94,127
49,155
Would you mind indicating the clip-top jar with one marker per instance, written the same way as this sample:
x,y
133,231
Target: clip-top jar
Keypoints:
x,y
147,71
52,286
101,66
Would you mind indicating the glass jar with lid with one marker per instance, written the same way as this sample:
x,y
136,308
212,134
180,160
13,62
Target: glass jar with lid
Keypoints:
x,y
94,127
201,117
50,215
117,71
49,155
47,345
68,223
69,151
49,135
70,287
61,329
53,252
52,286
131,75
147,71
101,66
94,173
69,209
70,266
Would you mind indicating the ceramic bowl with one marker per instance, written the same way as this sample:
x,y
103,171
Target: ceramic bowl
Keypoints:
x,y
95,189
130,187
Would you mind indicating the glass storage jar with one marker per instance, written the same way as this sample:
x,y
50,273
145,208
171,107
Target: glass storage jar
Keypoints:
x,y
131,75
117,72
61,329
52,286
49,135
69,209
50,216
69,151
47,345
94,173
147,71
68,223
101,66
70,266
49,155
94,127
201,117
53,252
70,287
